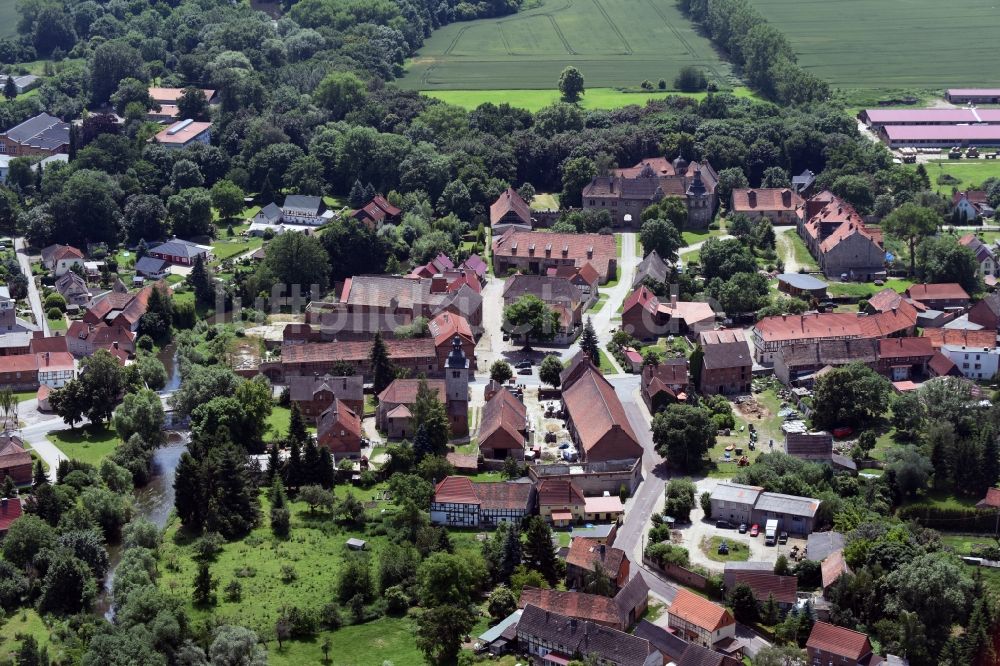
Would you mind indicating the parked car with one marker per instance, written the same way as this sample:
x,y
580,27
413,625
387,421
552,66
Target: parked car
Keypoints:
x,y
723,525
743,528
754,530
783,537
842,431
523,364
524,371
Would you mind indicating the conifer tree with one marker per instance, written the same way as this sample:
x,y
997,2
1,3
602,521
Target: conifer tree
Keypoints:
x,y
297,431
383,371
589,344
327,475
273,463
539,554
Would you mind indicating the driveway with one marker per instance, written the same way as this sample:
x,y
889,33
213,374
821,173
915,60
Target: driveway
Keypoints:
x,y
33,297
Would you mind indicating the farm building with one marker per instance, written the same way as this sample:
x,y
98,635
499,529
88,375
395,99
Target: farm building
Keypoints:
x,y
802,285
775,204
939,136
973,95
876,118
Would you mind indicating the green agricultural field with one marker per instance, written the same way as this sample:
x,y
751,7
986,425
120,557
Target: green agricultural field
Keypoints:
x,y
892,43
8,18
612,42
533,100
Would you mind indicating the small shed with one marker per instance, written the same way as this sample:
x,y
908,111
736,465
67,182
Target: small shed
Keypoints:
x,y
802,285
357,544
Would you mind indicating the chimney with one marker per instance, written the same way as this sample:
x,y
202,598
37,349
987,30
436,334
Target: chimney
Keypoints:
x,y
673,300
752,198
548,250
115,344
590,252
439,283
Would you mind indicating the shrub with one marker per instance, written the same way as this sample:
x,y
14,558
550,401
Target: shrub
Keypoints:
x,y
208,546
396,601
54,313
664,554
55,300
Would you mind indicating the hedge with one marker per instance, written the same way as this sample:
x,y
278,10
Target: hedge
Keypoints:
x,y
950,520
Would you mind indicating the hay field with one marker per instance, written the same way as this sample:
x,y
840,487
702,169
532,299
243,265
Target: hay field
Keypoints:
x,y
892,44
612,42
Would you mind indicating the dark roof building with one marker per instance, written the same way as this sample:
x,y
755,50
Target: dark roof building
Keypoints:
x,y
41,135
545,634
652,267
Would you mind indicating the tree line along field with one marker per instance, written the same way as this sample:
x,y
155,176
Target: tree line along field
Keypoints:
x,y
612,42
533,100
891,43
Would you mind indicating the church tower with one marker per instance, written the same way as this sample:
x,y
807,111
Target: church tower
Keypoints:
x,y
699,203
456,380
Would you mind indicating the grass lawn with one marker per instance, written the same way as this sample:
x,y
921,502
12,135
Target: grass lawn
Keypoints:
x,y
692,237
943,500
971,173
388,639
21,396
279,420
57,324
883,49
607,367
738,552
8,19
533,100
225,249
790,245
618,245
174,278
866,289
545,202
22,622
599,303
87,444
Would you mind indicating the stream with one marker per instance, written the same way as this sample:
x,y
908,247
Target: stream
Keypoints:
x,y
155,500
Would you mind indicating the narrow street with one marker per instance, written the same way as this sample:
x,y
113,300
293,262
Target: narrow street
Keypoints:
x,y
33,297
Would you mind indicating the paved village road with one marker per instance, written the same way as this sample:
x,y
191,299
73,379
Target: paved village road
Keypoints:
x,y
33,297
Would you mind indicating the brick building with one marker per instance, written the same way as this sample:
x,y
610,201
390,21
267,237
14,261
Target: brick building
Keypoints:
x,y
339,430
625,193
830,644
775,204
596,418
315,393
42,135
727,364
537,251
15,461
646,317
503,428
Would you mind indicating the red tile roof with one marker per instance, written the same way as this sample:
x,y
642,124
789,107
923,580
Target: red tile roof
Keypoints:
x,y
888,299
584,552
446,325
956,336
941,365
820,325
12,453
848,229
503,412
643,298
593,607
765,583
767,199
340,415
510,201
55,343
504,495
357,350
904,347
404,391
9,513
699,611
559,492
839,641
456,490
517,243
596,412
18,363
833,567
937,291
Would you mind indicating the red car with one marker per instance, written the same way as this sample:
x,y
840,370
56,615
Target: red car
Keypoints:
x,y
842,431
755,530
